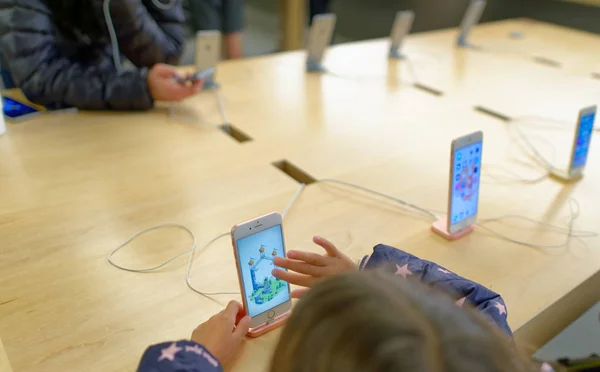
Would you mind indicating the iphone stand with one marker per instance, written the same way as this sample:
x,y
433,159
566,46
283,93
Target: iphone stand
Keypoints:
x,y
440,228
210,83
395,54
464,43
312,66
564,176
269,325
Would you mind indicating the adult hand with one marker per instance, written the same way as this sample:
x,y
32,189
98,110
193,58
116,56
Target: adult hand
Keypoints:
x,y
222,334
163,87
305,269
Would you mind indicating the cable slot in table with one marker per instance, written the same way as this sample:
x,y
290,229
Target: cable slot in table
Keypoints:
x,y
294,172
596,75
428,89
547,62
492,113
235,133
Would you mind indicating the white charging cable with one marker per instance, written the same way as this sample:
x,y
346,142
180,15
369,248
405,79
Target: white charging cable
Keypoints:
x,y
192,250
569,232
114,41
529,148
164,6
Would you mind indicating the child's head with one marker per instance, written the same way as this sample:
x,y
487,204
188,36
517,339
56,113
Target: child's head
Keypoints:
x,y
376,322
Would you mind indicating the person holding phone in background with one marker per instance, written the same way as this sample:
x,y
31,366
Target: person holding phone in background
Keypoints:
x,y
226,16
59,52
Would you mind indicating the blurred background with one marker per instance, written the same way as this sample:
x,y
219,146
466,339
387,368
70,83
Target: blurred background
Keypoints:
x,y
368,19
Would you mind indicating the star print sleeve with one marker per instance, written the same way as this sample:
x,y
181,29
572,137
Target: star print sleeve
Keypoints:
x,y
463,290
182,356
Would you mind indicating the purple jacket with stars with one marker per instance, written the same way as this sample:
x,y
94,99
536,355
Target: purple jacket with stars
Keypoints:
x,y
398,262
187,356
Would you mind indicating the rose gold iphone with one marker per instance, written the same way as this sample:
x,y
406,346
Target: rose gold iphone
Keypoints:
x,y
465,173
255,244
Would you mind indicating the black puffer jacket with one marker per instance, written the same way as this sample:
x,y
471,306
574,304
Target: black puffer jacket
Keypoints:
x,y
59,51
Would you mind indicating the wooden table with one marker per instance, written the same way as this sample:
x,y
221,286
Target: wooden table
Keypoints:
x,y
73,187
4,364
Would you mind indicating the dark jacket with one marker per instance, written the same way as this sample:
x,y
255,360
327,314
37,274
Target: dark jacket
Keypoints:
x,y
186,356
59,51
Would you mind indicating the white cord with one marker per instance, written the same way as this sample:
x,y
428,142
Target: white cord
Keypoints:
x,y
569,231
512,176
221,106
191,250
399,201
550,122
411,69
573,208
160,5
114,41
530,149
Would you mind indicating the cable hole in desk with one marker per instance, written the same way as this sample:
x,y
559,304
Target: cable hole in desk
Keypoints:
x,y
427,89
492,113
293,171
596,75
235,133
546,61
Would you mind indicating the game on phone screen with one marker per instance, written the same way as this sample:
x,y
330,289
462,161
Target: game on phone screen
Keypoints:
x,y
465,182
256,253
582,145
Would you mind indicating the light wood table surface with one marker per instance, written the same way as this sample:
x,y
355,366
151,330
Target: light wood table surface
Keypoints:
x,y
4,364
73,187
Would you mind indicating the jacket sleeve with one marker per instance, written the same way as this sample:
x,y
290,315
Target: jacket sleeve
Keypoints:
x,y
181,356
148,34
39,68
463,290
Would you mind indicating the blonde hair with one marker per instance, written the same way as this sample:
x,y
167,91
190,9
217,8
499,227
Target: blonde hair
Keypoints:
x,y
377,322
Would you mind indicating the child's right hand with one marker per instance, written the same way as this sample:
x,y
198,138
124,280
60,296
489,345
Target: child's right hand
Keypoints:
x,y
305,268
222,334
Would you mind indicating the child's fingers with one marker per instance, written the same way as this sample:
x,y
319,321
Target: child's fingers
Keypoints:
x,y
197,86
242,327
327,245
298,293
310,258
293,278
232,310
299,267
240,315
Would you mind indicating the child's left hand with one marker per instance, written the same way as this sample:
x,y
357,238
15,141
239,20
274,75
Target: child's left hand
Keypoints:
x,y
304,268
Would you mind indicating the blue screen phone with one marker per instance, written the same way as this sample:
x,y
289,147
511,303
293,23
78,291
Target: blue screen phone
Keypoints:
x,y
583,137
466,173
256,252
15,109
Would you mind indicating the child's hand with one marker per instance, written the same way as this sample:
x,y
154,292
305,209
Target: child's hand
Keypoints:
x,y
306,268
222,334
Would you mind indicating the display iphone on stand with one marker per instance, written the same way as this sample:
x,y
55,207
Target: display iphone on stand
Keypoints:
x,y
581,146
266,299
401,28
463,194
319,38
470,19
208,55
